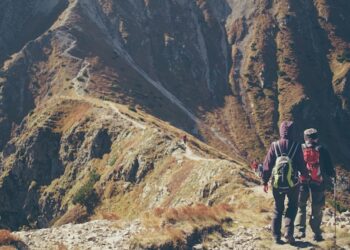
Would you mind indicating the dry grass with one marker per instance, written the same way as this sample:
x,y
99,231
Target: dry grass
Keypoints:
x,y
7,248
198,212
173,226
76,114
77,214
7,238
180,176
61,246
9,241
109,216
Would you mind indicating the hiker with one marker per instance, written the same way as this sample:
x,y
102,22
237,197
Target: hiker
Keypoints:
x,y
319,165
254,165
283,161
260,169
184,139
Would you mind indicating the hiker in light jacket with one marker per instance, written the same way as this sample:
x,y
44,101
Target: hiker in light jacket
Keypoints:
x,y
319,165
286,146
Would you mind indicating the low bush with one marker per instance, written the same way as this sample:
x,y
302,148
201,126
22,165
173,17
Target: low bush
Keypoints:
x,y
344,57
132,108
253,47
110,216
81,79
77,214
86,195
61,246
281,73
8,240
6,237
174,227
338,205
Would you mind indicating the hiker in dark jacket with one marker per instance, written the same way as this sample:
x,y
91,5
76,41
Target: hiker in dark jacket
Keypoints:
x,y
285,145
320,167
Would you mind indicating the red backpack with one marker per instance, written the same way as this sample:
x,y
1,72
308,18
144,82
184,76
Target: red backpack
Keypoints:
x,y
312,159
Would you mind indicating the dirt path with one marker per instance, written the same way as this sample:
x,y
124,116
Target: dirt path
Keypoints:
x,y
105,104
192,156
343,229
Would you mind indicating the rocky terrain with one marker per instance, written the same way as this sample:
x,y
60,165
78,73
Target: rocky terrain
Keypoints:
x,y
91,235
96,96
105,234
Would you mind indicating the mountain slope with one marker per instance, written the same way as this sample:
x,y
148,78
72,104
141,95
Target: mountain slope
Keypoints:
x,y
137,156
102,85
247,66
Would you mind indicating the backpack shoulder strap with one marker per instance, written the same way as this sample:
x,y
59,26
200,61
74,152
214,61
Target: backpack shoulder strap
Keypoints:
x,y
295,150
275,146
291,149
279,147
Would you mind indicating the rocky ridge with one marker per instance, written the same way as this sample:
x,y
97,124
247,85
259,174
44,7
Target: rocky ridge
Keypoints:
x,y
103,234
244,62
62,146
91,235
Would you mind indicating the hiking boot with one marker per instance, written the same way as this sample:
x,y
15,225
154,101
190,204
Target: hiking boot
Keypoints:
x,y
290,239
301,235
318,237
278,241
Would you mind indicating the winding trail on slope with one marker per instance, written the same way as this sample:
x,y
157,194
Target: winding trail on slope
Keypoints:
x,y
83,76
95,13
192,156
116,110
188,153
80,95
105,104
119,49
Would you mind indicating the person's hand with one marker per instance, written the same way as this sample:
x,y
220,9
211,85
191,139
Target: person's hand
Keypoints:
x,y
266,187
304,179
334,180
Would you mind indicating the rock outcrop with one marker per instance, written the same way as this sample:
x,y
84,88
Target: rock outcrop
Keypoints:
x,y
99,234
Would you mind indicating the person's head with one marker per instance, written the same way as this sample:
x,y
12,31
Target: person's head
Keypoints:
x,y
286,130
311,136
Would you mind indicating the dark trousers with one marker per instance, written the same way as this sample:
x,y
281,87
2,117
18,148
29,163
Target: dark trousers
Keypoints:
x,y
290,214
317,204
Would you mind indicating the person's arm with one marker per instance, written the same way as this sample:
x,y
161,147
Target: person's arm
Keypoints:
x,y
269,162
300,163
326,162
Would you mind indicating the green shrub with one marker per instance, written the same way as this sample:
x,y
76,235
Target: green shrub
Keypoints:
x,y
253,46
112,160
344,57
132,108
287,60
81,79
338,205
287,79
281,73
94,177
254,58
86,195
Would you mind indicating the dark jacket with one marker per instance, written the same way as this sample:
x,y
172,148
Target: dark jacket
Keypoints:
x,y
285,142
327,167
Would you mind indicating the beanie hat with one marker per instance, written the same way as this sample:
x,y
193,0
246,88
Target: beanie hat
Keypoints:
x,y
311,136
